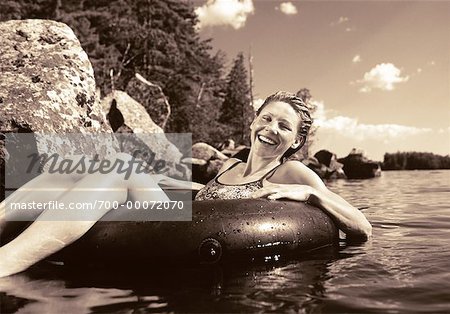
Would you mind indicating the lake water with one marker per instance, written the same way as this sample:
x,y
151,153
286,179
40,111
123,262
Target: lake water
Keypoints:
x,y
404,268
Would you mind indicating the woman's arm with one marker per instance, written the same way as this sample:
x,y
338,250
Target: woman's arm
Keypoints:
x,y
302,184
348,218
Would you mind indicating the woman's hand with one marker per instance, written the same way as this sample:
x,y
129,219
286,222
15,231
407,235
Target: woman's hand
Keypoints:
x,y
273,191
302,184
170,183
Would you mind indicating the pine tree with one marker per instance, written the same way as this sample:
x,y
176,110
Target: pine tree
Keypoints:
x,y
236,106
155,38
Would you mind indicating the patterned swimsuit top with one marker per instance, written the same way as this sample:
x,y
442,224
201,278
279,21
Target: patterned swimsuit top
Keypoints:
x,y
215,190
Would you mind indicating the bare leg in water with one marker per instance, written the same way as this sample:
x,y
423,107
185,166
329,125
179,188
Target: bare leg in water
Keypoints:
x,y
44,236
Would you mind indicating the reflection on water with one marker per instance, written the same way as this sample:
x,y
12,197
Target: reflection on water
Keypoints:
x,y
402,269
55,296
230,288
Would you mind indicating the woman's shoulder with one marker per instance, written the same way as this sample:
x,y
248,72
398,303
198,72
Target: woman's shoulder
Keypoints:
x,y
295,172
229,163
294,167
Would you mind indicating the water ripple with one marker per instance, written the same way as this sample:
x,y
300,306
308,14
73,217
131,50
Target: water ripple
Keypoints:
x,y
403,268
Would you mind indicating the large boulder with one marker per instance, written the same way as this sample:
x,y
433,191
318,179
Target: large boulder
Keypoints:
x,y
324,157
47,80
151,97
122,109
207,152
228,148
333,167
127,116
325,165
47,87
206,162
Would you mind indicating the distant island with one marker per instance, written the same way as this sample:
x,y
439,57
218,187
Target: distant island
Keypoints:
x,y
414,161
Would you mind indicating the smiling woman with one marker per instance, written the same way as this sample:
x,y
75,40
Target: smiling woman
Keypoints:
x,y
279,130
291,122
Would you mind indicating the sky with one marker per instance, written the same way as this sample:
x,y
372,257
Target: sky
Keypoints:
x,y
378,71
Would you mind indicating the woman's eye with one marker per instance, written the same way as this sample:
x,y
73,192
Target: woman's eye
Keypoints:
x,y
285,127
266,118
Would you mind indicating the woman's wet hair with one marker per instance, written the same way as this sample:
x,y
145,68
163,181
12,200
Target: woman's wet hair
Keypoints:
x,y
302,110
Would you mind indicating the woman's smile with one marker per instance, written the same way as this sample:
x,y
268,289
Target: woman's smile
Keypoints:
x,y
275,129
266,140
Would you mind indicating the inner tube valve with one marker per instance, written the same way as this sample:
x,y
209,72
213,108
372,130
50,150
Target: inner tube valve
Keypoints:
x,y
210,251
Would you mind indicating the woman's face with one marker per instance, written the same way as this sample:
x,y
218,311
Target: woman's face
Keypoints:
x,y
275,130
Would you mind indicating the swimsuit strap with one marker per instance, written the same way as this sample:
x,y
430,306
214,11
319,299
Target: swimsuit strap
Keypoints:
x,y
270,173
267,175
229,168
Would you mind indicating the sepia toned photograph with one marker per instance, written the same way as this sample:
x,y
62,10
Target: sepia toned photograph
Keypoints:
x,y
224,156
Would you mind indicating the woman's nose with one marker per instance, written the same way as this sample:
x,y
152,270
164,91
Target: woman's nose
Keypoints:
x,y
272,127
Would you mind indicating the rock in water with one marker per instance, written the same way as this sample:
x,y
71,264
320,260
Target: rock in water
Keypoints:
x,y
358,166
329,167
47,86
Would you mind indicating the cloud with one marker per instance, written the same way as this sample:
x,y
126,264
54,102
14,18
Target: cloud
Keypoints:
x,y
351,128
383,76
341,20
224,13
360,131
320,115
442,130
356,59
339,134
287,8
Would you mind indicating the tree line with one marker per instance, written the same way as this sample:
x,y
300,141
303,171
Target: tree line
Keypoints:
x,y
414,161
158,39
